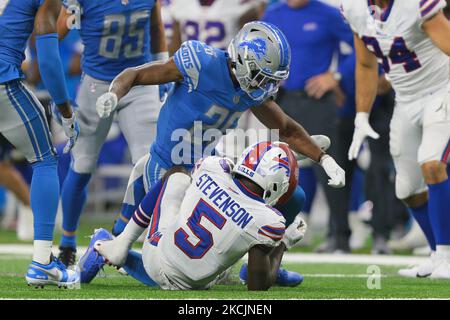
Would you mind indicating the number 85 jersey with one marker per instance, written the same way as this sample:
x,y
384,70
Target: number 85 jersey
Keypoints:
x,y
115,35
413,64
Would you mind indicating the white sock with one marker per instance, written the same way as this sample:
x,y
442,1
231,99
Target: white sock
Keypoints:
x,y
131,233
42,251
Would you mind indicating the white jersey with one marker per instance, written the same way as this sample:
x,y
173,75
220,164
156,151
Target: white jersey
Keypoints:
x,y
413,64
216,25
219,221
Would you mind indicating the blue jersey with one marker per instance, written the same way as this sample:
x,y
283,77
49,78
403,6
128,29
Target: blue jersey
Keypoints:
x,y
115,35
207,94
16,26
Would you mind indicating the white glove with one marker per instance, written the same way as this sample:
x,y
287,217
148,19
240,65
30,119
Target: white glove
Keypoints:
x,y
295,232
106,104
72,131
362,131
334,171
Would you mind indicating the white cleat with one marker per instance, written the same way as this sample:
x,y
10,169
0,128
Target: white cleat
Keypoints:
x,y
114,251
423,270
441,270
413,239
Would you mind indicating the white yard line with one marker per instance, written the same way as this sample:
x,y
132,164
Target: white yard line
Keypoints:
x,y
26,250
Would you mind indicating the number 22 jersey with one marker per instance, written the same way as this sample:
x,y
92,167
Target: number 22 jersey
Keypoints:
x,y
413,64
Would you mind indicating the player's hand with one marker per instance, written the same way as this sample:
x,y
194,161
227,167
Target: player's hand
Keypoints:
x,y
165,90
106,104
334,172
295,232
72,131
362,131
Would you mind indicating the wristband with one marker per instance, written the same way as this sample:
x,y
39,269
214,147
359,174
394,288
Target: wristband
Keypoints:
x,y
160,56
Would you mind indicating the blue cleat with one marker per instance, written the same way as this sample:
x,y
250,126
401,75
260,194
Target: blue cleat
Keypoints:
x,y
285,278
55,273
91,262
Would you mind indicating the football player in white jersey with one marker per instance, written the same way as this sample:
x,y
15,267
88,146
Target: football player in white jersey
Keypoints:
x,y
202,225
411,41
214,22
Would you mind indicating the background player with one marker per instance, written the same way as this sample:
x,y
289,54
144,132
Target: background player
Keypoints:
x,y
410,40
23,122
116,35
201,228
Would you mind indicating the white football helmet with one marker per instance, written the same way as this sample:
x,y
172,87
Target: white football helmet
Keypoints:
x,y
266,164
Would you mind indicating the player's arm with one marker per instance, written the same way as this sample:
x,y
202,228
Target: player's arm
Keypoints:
x,y
154,73
438,29
291,132
176,38
263,265
158,37
50,65
62,24
366,92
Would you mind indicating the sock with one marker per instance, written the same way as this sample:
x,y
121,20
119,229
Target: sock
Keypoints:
x,y
128,209
439,212
308,182
135,268
44,197
68,241
73,198
294,205
42,250
141,217
421,215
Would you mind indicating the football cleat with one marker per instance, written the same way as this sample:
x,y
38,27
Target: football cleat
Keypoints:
x,y
285,278
423,270
91,262
115,251
68,256
55,273
441,270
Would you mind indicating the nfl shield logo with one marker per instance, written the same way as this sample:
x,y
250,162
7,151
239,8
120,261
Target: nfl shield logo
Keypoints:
x,y
125,2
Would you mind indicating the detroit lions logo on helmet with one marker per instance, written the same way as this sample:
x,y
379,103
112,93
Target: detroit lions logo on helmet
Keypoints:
x,y
258,46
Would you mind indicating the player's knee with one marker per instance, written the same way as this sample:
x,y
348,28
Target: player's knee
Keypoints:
x,y
84,164
416,200
434,172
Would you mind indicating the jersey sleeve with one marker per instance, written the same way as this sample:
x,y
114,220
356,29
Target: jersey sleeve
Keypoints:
x,y
195,59
271,234
429,8
212,164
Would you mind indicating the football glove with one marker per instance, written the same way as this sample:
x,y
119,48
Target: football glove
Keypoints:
x,y
72,131
334,172
106,104
295,232
362,131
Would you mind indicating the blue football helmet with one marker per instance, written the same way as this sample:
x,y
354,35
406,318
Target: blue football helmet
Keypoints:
x,y
261,57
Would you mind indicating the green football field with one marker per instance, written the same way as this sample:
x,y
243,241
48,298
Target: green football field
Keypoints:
x,y
323,280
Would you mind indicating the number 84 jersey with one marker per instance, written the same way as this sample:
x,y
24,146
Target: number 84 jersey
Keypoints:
x,y
412,62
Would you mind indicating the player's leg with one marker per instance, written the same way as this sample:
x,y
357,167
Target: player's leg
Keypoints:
x,y
93,132
433,156
137,120
24,124
405,139
156,211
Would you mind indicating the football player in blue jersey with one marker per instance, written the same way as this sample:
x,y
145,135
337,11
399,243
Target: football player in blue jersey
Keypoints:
x,y
23,122
116,35
213,87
